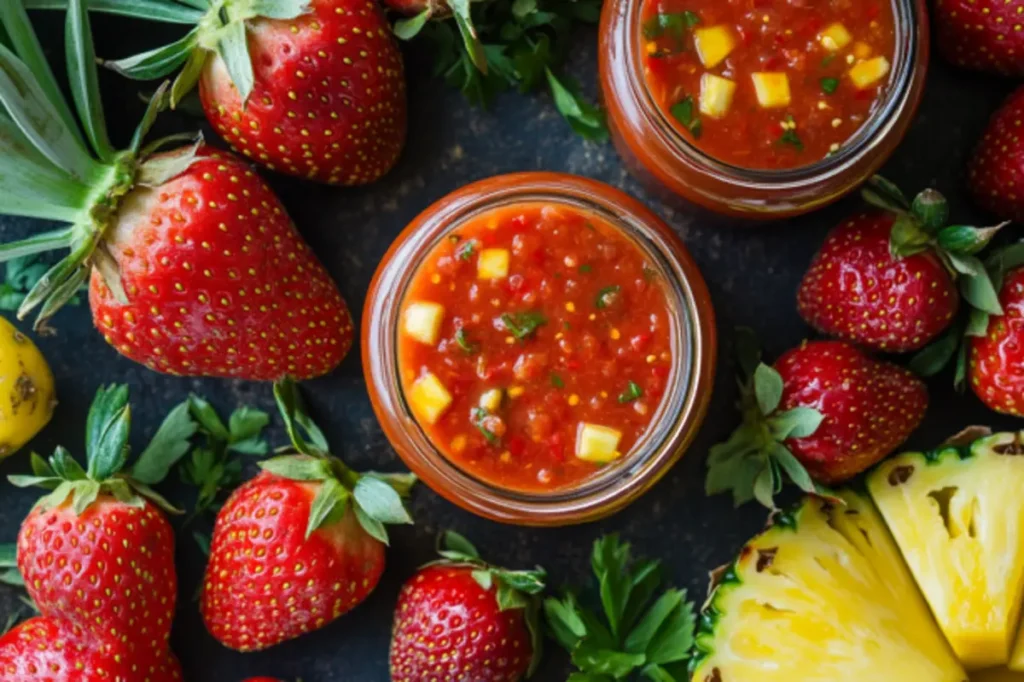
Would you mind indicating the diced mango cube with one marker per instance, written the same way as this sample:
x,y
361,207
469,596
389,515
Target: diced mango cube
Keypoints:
x,y
835,37
867,73
422,321
596,443
772,89
491,400
492,264
429,398
713,44
716,95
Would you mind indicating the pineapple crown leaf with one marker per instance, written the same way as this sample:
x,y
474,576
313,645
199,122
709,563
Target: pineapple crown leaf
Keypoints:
x,y
106,444
635,631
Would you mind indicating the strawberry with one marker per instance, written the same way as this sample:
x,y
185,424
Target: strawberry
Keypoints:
x,y
195,268
983,35
996,350
824,411
98,551
995,172
312,88
299,545
477,622
885,279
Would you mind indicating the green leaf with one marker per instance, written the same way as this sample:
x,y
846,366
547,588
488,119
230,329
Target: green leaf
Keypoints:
x,y
640,638
188,76
298,468
85,88
978,290
606,295
618,664
931,209
471,42
170,443
450,541
793,468
233,48
107,429
8,555
644,580
372,526
328,506
930,361
280,9
246,423
656,673
977,324
965,265
380,501
674,639
509,598
206,416
22,481
40,243
527,582
964,240
609,561
563,620
764,487
735,465
159,62
768,386
85,493
829,85
798,422
907,237
789,135
157,170
685,111
155,10
523,325
410,27
305,435
464,343
203,540
483,578
64,465
884,194
402,483
556,381
587,120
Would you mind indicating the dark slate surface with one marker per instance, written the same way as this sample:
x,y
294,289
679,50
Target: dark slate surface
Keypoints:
x,y
752,270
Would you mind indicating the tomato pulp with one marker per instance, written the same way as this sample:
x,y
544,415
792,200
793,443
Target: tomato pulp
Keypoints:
x,y
768,84
535,345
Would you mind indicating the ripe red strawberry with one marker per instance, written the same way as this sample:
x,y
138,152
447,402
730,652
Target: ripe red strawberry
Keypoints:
x,y
984,35
996,364
313,88
995,173
195,267
885,279
825,411
462,620
299,545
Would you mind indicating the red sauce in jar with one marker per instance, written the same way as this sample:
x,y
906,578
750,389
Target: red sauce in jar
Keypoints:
x,y
768,84
535,345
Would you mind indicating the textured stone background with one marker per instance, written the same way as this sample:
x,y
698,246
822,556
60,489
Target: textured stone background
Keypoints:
x,y
752,270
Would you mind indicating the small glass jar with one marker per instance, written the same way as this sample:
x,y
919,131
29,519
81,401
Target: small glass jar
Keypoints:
x,y
676,419
656,152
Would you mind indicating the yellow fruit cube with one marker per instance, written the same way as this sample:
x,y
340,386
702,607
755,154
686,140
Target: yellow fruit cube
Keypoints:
x,y
422,321
772,89
713,44
867,73
491,400
596,443
835,37
716,95
429,398
492,264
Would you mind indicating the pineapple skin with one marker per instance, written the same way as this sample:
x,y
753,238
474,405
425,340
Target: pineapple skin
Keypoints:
x,y
843,606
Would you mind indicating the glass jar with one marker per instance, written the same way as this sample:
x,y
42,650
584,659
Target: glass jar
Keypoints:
x,y
676,419
655,150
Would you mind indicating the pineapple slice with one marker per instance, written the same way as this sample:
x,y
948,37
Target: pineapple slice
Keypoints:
x,y
823,594
429,398
772,89
492,264
867,73
713,44
596,443
422,322
716,95
956,516
835,37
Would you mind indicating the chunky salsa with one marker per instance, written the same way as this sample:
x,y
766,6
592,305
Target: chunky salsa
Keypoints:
x,y
768,84
535,345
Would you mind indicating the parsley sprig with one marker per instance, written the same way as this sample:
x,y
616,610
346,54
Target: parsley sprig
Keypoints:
x,y
523,325
491,47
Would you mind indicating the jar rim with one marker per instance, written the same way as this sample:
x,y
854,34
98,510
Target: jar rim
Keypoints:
x,y
878,126
674,422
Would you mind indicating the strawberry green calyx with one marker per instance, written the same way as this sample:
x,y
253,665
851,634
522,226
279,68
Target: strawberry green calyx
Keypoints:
x,y
755,461
107,450
375,498
49,169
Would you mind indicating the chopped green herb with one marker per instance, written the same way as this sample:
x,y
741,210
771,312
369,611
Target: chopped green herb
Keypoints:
x,y
829,85
556,381
671,24
523,325
606,295
632,392
464,342
585,268
684,111
466,251
789,135
477,417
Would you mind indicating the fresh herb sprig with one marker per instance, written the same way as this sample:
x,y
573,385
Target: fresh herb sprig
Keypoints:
x,y
634,633
479,419
490,47
523,325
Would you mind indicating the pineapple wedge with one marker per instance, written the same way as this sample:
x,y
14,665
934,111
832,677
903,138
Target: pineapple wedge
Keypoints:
x,y
429,398
822,595
714,44
716,94
957,518
772,89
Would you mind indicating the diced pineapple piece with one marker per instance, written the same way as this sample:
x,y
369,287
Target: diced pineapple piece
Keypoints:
x,y
429,398
422,321
492,264
835,37
772,89
491,400
867,73
716,95
713,44
596,443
